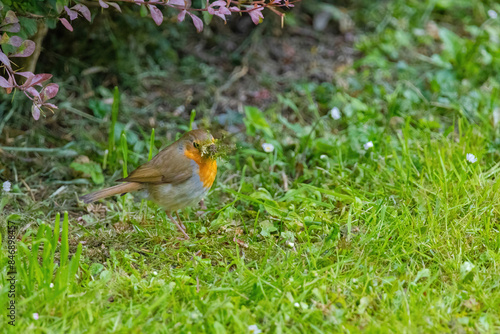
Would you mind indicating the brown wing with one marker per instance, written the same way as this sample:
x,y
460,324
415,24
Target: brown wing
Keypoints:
x,y
163,168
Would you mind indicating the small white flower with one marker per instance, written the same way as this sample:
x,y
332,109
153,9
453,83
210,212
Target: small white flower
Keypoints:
x,y
268,147
471,158
466,267
418,32
51,285
296,305
6,186
35,316
335,113
155,273
368,145
323,157
492,14
290,244
254,329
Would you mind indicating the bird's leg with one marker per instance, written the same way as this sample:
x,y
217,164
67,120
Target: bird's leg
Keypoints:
x,y
180,221
202,204
179,227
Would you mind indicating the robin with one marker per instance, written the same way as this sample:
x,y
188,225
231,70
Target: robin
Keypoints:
x,y
179,176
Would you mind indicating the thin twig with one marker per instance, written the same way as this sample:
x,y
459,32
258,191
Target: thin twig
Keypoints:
x,y
49,151
29,189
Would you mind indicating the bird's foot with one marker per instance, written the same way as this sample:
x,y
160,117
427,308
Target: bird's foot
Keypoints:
x,y
180,226
182,229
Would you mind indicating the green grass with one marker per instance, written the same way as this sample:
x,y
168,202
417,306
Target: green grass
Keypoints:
x,y
321,235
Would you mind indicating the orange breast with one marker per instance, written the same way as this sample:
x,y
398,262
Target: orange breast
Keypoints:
x,y
207,167
208,171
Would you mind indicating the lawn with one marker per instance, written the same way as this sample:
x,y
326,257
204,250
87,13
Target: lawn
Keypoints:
x,y
377,208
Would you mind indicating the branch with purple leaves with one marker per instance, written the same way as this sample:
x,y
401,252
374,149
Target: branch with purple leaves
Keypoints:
x,y
26,47
220,8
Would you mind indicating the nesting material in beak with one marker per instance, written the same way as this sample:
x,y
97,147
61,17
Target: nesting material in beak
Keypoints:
x,y
209,150
212,149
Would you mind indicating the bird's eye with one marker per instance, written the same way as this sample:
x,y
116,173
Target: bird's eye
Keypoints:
x,y
196,145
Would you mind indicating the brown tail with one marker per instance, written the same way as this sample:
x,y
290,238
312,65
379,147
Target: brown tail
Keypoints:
x,y
115,190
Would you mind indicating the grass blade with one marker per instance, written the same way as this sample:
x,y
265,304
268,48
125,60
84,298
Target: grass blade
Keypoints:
x,y
151,144
64,241
125,153
191,119
114,116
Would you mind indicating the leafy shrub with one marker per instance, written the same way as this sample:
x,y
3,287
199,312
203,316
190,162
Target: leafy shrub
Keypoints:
x,y
20,20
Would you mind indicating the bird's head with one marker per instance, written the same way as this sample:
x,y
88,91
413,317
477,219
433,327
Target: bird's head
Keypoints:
x,y
199,145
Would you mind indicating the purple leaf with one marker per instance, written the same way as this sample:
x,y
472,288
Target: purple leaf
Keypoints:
x,y
27,83
35,111
117,6
66,24
83,10
4,60
15,41
14,27
285,3
26,74
10,22
26,49
179,3
49,91
33,92
103,4
198,23
156,14
221,11
12,82
39,78
10,18
5,84
71,13
181,16
50,105
256,14
219,3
